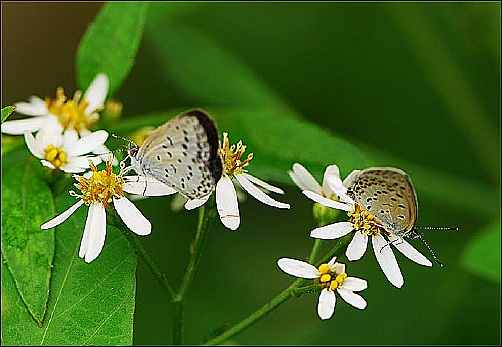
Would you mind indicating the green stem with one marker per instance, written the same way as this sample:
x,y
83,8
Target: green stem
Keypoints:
x,y
178,320
314,251
293,291
290,292
206,218
114,220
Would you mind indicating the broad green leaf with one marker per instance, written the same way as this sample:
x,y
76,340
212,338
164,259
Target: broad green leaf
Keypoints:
x,y
205,71
110,44
482,254
89,304
6,111
26,204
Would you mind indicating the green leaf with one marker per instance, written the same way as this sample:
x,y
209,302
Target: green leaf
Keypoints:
x,y
204,70
482,254
26,204
6,111
110,44
89,304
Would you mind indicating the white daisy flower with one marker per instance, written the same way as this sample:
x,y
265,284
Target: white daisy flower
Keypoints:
x,y
331,276
365,226
54,116
226,196
59,114
66,151
98,190
309,186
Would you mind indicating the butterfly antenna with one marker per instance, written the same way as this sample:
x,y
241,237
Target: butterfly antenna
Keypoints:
x,y
438,228
421,237
124,139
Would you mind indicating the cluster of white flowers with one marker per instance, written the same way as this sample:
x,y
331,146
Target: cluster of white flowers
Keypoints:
x,y
333,194
64,142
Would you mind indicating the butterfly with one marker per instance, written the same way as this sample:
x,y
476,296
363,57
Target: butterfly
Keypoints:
x,y
182,154
388,194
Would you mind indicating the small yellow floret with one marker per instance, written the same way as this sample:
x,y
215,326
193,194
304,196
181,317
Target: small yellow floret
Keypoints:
x,y
55,156
101,187
71,113
325,278
231,157
324,268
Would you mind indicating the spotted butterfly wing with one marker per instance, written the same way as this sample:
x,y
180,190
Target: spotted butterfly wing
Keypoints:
x,y
388,194
183,154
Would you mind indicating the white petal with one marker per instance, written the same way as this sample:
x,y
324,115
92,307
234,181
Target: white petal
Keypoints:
x,y
226,203
257,193
350,179
70,136
303,179
78,164
194,203
357,247
137,185
409,251
97,231
132,217
326,202
332,261
34,146
18,127
333,173
338,268
353,299
52,129
36,107
104,153
355,284
387,261
62,217
263,184
332,231
86,144
298,268
336,184
84,243
47,164
326,304
70,168
96,93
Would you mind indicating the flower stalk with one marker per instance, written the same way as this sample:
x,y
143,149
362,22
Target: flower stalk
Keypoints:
x,y
295,290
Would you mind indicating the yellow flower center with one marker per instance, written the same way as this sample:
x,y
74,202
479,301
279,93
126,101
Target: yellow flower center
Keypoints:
x,y
55,156
231,157
365,222
101,187
71,113
330,279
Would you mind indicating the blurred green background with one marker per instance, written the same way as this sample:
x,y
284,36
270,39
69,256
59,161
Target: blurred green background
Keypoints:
x,y
414,85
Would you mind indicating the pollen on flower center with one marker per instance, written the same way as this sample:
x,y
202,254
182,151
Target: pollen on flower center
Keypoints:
x,y
71,113
330,279
364,221
55,156
101,187
231,157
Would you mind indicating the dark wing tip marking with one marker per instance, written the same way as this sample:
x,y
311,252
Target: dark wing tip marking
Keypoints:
x,y
213,139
